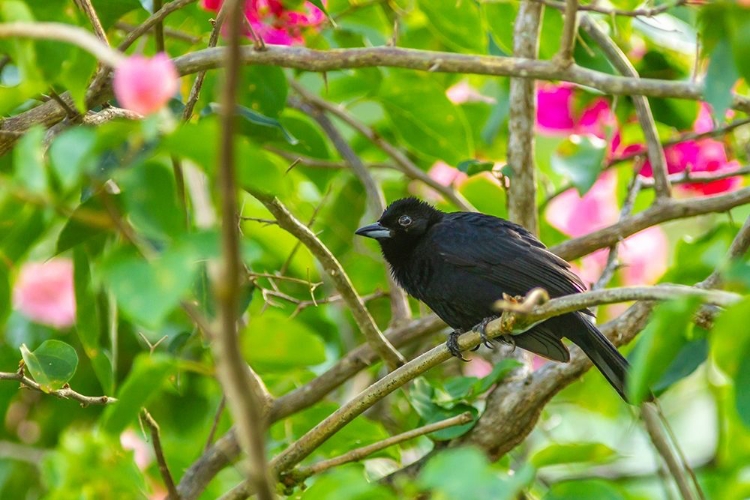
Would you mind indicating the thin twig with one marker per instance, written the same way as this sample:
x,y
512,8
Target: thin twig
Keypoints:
x,y
403,163
168,32
65,393
158,28
241,388
400,311
357,454
661,443
153,427
643,111
341,280
564,56
215,425
157,17
593,7
96,24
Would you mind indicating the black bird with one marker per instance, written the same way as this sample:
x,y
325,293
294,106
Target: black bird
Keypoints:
x,y
460,263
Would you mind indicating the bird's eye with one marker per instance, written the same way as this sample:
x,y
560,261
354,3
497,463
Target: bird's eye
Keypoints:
x,y
404,220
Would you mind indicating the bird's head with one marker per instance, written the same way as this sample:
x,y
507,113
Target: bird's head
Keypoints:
x,y
402,223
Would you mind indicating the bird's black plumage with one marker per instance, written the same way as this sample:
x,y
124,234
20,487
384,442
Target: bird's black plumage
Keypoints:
x,y
460,263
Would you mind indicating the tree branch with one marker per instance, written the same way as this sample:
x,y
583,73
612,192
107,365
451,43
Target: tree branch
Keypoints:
x,y
153,427
402,162
669,210
242,389
642,108
522,122
333,268
300,474
64,33
564,56
64,393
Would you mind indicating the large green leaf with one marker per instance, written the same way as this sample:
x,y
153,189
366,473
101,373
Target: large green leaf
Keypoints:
x,y
52,364
147,291
581,159
431,125
264,89
457,24
589,489
144,381
720,78
28,162
150,198
271,342
423,399
658,344
556,454
71,155
88,219
730,349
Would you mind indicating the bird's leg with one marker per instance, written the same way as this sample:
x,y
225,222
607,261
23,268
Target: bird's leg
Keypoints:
x,y
452,344
482,329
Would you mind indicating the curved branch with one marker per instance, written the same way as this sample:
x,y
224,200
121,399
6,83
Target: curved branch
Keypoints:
x,y
64,393
662,212
333,268
64,33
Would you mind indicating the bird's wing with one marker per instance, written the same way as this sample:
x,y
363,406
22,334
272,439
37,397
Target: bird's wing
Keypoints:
x,y
503,253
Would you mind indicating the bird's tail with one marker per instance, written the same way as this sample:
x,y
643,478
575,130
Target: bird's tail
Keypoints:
x,y
603,354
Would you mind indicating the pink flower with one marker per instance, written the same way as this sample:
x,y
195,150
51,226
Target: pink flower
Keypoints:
x,y
129,440
44,293
556,114
145,85
643,255
575,215
273,22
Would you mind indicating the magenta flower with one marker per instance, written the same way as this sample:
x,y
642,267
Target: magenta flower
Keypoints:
x,y
556,114
273,22
44,293
145,85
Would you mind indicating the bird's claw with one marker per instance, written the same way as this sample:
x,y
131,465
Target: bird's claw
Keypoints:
x,y
482,329
452,345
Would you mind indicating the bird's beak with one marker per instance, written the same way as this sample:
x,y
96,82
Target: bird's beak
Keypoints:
x,y
374,231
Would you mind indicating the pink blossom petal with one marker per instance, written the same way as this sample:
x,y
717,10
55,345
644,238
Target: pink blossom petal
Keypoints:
x,y
477,367
554,108
577,216
44,293
141,449
145,85
644,256
462,92
596,119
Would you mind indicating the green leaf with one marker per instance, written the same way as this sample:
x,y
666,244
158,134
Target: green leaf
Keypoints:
x,y
72,155
109,12
147,291
75,76
720,78
88,219
283,352
498,373
257,169
466,473
346,482
458,25
588,489
473,167
260,121
422,400
52,364
580,158
17,242
4,292
739,26
730,349
556,454
658,344
196,141
150,198
431,125
265,89
688,359
144,381
28,161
